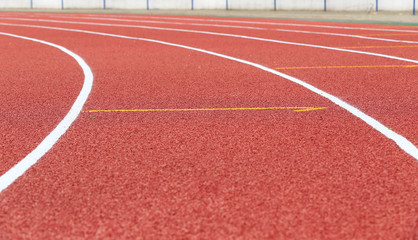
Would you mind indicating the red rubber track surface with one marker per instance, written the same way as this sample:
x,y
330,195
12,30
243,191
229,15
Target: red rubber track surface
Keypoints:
x,y
280,174
37,90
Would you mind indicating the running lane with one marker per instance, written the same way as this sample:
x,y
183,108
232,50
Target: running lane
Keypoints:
x,y
211,174
360,74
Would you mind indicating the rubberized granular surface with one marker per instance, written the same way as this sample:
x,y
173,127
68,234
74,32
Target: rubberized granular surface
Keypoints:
x,y
178,143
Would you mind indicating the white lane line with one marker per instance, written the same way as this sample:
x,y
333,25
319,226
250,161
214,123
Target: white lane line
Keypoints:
x,y
174,29
348,35
245,27
216,34
275,23
240,21
20,168
163,22
401,141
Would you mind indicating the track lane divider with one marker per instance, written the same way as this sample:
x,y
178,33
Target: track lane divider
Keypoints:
x,y
401,141
332,67
400,46
347,35
142,21
270,23
361,36
225,34
21,167
390,34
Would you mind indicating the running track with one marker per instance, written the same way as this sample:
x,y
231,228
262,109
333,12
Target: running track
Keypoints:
x,y
210,128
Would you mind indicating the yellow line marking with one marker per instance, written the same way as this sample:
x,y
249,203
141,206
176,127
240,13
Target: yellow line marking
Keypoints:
x,y
376,66
403,46
308,109
295,109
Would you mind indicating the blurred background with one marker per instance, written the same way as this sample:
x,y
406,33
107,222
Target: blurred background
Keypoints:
x,y
312,5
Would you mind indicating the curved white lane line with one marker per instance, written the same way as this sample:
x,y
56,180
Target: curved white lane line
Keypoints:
x,y
206,32
139,21
175,23
247,27
20,168
401,141
274,23
347,35
213,33
321,26
245,22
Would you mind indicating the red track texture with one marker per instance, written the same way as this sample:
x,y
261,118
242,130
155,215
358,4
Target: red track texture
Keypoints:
x,y
260,174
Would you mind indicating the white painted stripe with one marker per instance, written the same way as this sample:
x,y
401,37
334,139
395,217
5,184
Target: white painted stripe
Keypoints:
x,y
401,141
252,28
185,30
278,24
241,21
348,35
20,168
171,22
216,34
